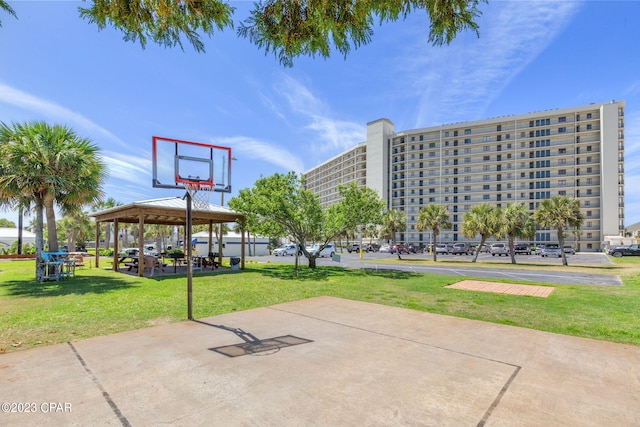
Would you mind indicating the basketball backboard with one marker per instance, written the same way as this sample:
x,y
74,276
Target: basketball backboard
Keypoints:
x,y
177,162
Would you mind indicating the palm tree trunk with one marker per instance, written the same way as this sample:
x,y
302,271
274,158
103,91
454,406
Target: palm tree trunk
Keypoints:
x,y
479,248
433,247
40,267
561,244
52,233
511,251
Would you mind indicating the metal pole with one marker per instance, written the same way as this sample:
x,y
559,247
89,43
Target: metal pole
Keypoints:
x,y
220,242
189,263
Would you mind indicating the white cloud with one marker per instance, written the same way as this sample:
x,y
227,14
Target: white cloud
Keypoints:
x,y
459,81
121,167
259,150
329,134
18,98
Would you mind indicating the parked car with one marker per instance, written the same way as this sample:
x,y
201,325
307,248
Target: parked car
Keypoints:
x,y
538,250
442,249
328,250
372,247
631,250
460,248
385,249
399,248
499,249
486,248
414,248
128,252
568,249
522,248
354,247
285,250
551,249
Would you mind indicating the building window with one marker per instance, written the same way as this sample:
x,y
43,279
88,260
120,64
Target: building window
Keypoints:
x,y
562,130
486,148
486,197
562,172
562,119
486,139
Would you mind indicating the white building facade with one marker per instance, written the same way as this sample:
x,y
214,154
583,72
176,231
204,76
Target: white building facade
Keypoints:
x,y
576,152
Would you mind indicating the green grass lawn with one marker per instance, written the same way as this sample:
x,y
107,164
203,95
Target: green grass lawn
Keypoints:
x,y
101,302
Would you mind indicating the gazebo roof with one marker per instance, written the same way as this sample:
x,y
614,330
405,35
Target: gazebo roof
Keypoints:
x,y
166,211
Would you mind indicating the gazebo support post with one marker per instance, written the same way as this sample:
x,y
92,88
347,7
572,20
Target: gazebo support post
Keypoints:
x,y
141,245
97,246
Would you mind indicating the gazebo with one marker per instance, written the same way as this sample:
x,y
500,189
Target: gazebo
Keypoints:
x,y
165,211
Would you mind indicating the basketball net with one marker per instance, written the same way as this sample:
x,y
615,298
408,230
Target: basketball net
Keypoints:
x,y
200,194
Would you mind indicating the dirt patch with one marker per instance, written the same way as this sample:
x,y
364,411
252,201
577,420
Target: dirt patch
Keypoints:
x,y
503,288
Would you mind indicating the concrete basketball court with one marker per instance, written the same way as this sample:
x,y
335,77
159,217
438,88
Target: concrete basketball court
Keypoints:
x,y
325,362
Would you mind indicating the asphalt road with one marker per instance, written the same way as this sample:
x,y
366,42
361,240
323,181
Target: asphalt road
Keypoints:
x,y
535,276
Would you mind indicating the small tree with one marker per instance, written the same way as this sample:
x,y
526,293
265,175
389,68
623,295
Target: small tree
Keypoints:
x,y
280,206
480,220
560,213
515,221
393,221
5,223
433,217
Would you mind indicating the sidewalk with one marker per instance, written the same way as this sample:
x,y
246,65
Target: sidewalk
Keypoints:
x,y
325,362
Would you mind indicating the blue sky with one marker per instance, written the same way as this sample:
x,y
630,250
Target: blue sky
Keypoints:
x,y
531,56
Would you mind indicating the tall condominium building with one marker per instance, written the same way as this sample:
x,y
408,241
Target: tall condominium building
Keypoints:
x,y
526,158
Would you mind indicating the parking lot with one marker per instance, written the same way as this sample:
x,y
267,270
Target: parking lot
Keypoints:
x,y
578,258
480,270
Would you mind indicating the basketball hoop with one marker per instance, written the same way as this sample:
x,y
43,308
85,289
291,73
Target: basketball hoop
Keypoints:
x,y
200,194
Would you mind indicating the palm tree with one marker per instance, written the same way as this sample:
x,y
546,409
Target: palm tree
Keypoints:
x,y
433,217
516,222
560,213
75,227
480,220
49,165
102,205
393,221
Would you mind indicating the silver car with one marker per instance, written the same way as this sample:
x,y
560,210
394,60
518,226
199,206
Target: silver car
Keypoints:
x,y
551,249
499,249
